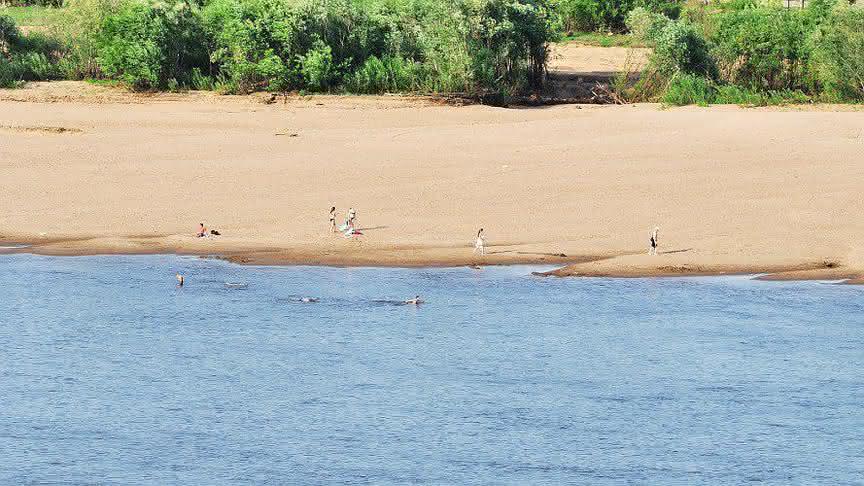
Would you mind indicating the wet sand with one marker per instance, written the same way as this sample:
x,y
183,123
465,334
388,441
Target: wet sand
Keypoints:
x,y
733,190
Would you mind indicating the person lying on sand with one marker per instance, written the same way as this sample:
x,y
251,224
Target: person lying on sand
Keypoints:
x,y
415,301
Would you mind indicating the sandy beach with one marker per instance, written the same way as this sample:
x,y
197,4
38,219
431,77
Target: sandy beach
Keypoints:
x,y
733,190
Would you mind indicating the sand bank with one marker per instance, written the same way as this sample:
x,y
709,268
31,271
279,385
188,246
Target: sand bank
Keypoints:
x,y
733,190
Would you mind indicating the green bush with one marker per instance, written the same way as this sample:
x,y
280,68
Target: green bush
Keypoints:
x,y
763,48
680,48
688,89
372,46
318,69
25,57
10,36
509,40
11,73
38,67
646,26
79,29
582,15
390,74
610,15
838,58
149,44
235,46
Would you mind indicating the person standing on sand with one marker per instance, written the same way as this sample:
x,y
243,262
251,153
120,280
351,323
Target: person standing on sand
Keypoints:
x,y
480,243
653,249
333,219
352,214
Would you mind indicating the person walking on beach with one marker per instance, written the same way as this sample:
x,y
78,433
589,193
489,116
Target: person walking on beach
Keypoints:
x,y
333,219
480,243
653,249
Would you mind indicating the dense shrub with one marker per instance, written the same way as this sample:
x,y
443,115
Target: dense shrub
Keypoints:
x,y
10,36
749,53
611,15
372,46
680,48
763,48
390,74
838,58
150,44
25,58
688,89
645,26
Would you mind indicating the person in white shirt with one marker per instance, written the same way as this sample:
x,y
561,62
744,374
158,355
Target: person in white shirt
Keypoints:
x,y
480,243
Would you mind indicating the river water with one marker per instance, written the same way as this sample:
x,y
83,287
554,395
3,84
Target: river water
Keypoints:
x,y
110,374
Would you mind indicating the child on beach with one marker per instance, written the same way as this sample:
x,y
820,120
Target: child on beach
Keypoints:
x,y
480,243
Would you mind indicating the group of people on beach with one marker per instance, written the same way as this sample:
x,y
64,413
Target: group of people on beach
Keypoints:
x,y
349,228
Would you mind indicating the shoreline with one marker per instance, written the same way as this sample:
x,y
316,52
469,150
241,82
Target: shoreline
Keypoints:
x,y
619,264
577,187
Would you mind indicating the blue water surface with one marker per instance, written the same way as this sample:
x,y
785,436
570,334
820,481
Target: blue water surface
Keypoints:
x,y
110,374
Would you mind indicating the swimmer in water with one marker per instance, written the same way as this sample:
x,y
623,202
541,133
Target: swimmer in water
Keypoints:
x,y
180,280
308,300
415,301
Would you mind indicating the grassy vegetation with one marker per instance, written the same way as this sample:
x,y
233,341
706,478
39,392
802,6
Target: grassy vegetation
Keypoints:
x,y
32,16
